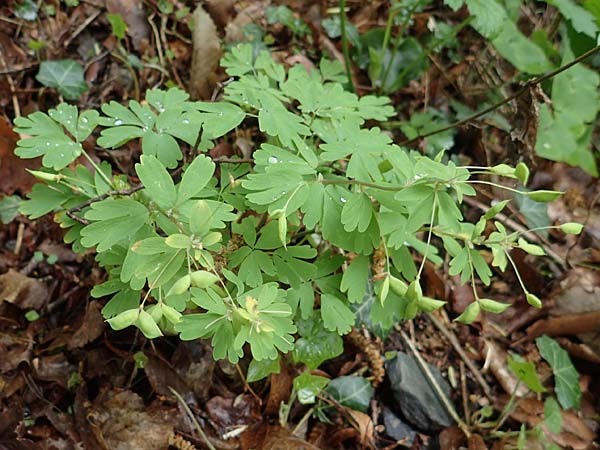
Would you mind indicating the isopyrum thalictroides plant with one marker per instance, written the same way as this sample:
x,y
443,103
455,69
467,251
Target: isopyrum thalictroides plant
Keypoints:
x,y
276,252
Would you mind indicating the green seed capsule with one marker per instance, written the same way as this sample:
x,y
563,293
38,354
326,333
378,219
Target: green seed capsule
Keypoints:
x,y
533,300
398,287
522,173
171,314
571,228
45,176
148,326
543,195
428,304
124,319
385,289
469,314
493,306
203,279
180,285
155,312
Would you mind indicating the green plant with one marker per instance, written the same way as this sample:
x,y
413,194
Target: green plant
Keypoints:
x,y
260,250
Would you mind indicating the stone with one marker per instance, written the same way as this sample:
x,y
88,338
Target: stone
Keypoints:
x,y
415,397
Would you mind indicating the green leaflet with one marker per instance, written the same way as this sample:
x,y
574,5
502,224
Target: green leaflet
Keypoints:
x,y
113,221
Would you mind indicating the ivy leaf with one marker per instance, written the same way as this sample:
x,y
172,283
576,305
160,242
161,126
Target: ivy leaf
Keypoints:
x,y
66,75
308,386
566,377
552,415
351,391
316,344
257,370
115,220
525,371
157,182
336,314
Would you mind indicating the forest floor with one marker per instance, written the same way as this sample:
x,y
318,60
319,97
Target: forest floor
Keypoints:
x,y
67,381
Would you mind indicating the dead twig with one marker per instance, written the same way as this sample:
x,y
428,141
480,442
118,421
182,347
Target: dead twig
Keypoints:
x,y
192,418
458,348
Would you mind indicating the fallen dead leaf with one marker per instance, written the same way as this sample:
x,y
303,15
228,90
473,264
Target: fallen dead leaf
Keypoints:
x,y
205,56
281,386
495,360
221,11
123,422
91,328
22,291
476,442
163,376
451,438
363,423
13,174
281,439
251,14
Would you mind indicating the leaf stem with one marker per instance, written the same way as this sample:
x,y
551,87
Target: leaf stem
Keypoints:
x,y
345,48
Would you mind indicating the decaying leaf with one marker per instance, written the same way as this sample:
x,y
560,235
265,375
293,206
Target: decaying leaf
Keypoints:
x,y
22,291
91,328
206,55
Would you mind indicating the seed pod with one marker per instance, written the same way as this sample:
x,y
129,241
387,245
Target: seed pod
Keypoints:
x,y
469,314
385,289
155,312
171,314
203,279
493,306
571,228
397,286
522,173
148,326
533,300
124,319
532,249
543,195
428,304
45,176
180,285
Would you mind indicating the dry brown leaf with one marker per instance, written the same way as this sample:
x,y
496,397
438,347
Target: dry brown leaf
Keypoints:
x,y
221,11
91,328
205,57
363,423
476,442
451,438
22,291
567,325
495,360
281,387
163,376
13,176
251,14
281,439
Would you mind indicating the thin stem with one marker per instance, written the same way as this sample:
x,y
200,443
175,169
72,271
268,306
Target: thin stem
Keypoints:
x,y
507,408
102,174
489,183
365,184
345,48
506,100
512,263
428,236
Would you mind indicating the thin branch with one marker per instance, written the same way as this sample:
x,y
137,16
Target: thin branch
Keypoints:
x,y
99,198
192,418
506,100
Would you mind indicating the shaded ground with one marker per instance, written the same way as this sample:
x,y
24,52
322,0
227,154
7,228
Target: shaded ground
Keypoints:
x,y
67,381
